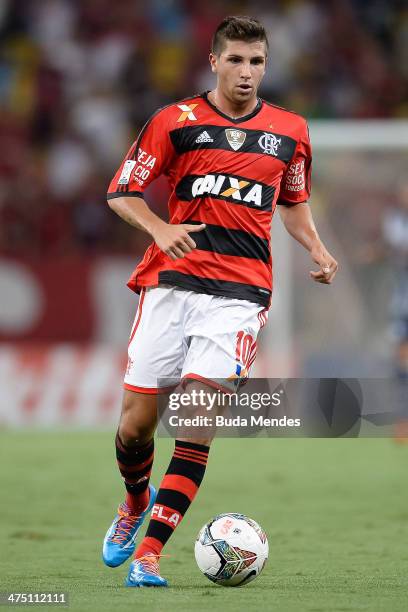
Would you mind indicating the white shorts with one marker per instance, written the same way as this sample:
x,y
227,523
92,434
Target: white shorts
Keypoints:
x,y
183,334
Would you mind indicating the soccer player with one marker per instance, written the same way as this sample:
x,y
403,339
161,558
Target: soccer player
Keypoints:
x,y
205,282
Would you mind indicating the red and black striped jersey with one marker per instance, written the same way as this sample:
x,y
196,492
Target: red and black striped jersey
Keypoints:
x,y
227,173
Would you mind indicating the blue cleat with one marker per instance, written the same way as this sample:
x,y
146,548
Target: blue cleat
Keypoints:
x,y
119,543
144,572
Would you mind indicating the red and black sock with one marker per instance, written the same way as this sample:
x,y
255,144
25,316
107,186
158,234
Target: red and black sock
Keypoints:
x,y
177,490
135,464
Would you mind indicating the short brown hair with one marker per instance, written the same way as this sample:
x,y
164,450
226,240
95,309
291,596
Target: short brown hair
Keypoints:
x,y
239,27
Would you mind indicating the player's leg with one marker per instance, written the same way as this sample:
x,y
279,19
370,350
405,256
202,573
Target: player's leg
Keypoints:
x,y
180,483
134,453
135,446
177,491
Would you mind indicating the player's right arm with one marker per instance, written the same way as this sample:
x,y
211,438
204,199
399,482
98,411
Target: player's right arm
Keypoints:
x,y
148,158
174,240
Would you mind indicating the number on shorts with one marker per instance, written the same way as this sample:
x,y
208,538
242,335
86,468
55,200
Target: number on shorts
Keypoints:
x,y
244,346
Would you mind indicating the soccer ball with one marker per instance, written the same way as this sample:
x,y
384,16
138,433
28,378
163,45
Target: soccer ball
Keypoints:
x,y
231,549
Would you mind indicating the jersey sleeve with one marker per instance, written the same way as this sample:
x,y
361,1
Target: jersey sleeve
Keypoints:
x,y
295,185
148,157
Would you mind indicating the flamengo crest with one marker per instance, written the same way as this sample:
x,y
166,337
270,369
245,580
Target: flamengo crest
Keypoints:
x,y
235,138
269,143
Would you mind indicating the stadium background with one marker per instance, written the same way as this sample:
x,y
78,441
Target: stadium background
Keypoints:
x,y
77,81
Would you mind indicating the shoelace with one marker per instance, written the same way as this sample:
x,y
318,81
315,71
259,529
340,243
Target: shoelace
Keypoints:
x,y
150,563
124,526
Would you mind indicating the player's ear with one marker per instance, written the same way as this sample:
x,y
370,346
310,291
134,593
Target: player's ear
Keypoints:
x,y
213,62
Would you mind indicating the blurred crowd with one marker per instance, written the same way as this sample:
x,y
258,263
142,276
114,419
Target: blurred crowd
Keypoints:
x,y
78,78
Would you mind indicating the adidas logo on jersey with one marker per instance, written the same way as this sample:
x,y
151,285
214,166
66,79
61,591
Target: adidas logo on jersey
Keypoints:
x,y
204,137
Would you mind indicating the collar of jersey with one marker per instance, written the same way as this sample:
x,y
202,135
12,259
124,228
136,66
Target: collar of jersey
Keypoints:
x,y
239,119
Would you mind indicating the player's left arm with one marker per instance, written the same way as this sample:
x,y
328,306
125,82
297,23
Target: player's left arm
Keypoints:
x,y
295,211
298,221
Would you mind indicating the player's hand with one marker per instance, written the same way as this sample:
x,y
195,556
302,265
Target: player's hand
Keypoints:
x,y
175,240
328,265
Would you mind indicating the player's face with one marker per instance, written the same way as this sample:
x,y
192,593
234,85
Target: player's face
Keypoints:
x,y
240,68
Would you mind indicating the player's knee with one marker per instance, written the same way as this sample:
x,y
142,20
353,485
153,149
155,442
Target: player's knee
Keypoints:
x,y
137,421
132,434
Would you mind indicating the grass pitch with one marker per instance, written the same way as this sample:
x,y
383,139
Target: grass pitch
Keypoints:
x,y
335,511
